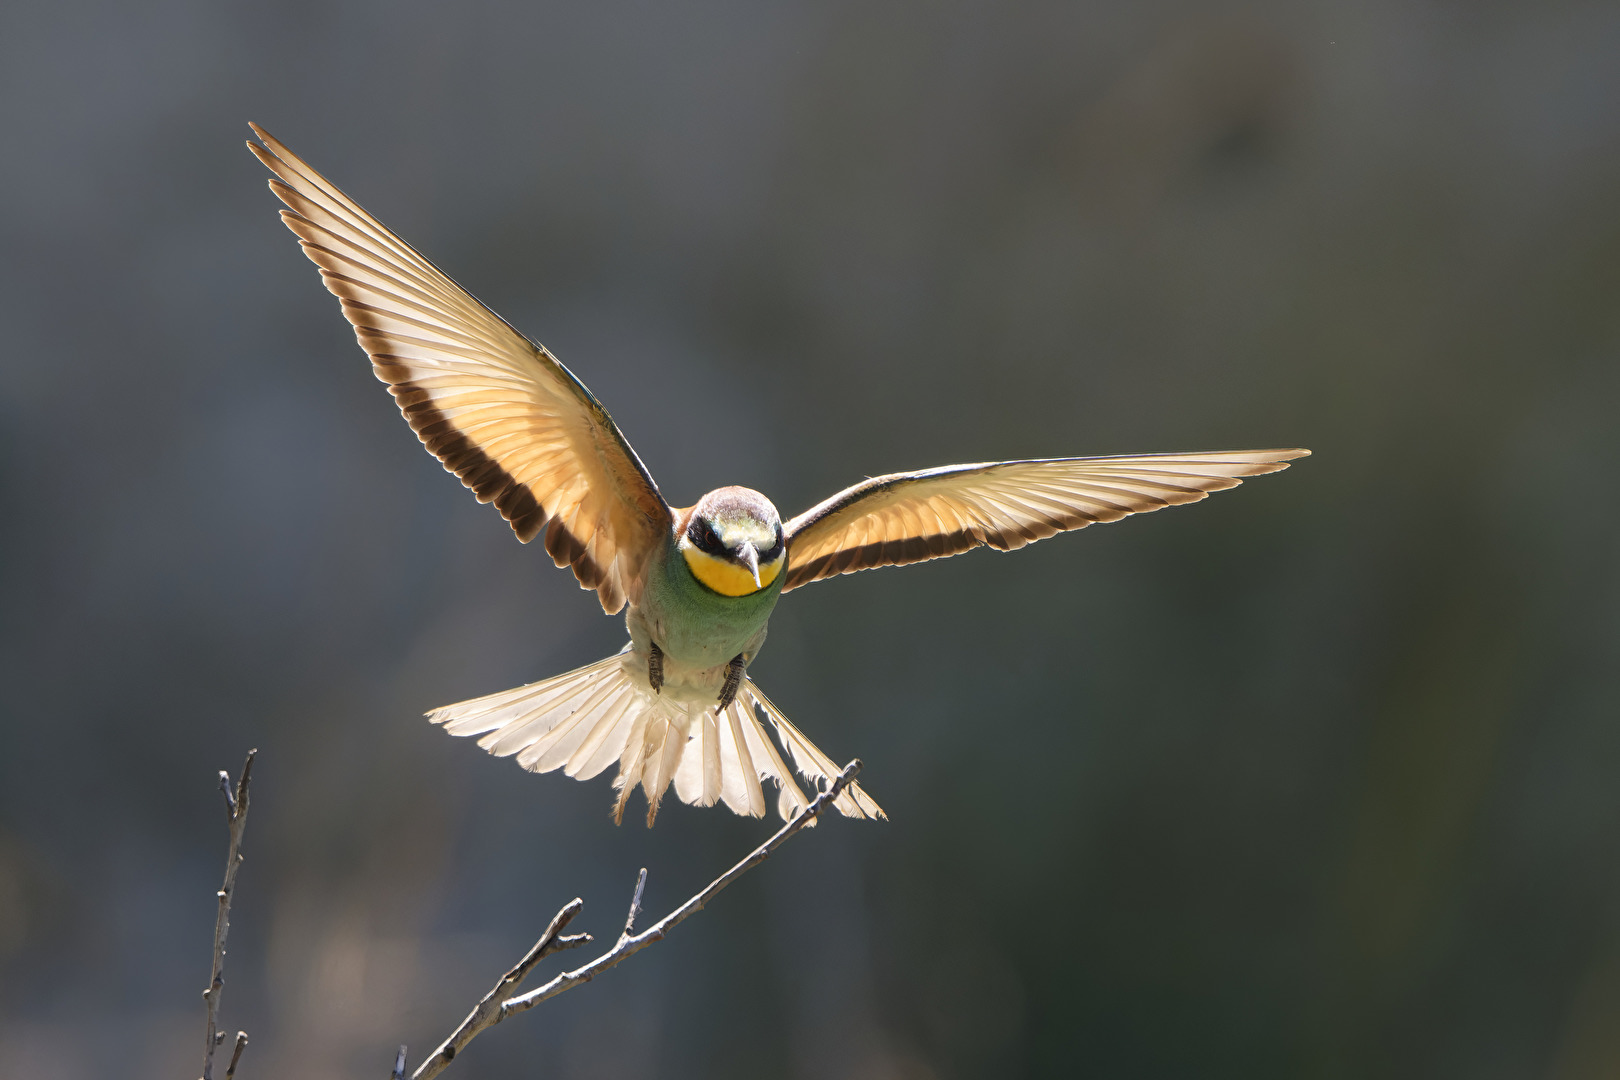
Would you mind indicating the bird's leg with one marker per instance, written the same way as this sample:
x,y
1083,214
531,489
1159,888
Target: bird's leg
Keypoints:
x,y
734,678
655,667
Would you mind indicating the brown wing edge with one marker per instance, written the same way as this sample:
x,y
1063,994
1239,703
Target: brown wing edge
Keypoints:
x,y
914,549
480,473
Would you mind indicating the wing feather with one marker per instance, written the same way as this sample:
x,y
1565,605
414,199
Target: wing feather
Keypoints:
x,y
910,517
495,408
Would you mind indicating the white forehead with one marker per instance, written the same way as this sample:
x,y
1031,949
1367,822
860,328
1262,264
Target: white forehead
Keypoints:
x,y
733,529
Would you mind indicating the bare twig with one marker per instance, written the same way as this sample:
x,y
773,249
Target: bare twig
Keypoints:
x,y
630,944
499,1003
236,809
635,905
236,1054
488,1011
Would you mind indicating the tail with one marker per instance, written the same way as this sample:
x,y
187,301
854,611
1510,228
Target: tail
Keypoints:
x,y
587,719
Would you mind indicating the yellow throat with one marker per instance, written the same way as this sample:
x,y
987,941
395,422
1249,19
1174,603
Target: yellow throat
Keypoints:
x,y
726,577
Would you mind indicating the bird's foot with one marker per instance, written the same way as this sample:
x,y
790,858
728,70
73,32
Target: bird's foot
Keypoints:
x,y
655,667
734,678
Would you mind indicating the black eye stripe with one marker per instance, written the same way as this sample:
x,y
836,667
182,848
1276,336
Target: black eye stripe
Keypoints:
x,y
774,550
703,537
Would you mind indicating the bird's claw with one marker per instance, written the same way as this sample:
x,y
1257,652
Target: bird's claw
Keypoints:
x,y
655,667
734,678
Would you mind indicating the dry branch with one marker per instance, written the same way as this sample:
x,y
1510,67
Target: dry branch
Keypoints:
x,y
236,809
236,1055
488,1011
499,1003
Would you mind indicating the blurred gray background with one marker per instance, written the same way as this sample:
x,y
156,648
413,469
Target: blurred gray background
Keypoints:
x,y
1318,778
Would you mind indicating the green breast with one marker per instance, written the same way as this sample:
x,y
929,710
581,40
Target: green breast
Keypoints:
x,y
696,625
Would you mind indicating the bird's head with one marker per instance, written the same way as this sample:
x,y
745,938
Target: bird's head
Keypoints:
x,y
733,541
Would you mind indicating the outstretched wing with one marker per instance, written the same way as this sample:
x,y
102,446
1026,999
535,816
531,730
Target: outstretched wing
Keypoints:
x,y
909,517
497,409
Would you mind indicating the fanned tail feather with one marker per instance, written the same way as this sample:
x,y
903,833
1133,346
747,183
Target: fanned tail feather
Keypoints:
x,y
809,759
586,719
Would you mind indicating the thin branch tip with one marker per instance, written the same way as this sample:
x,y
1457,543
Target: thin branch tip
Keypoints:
x,y
635,904
236,1054
503,1001
235,798
491,1009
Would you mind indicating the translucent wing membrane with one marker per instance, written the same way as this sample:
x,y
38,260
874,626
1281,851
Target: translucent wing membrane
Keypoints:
x,y
909,517
497,409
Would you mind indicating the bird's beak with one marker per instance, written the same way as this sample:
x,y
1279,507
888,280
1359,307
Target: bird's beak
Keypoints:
x,y
750,559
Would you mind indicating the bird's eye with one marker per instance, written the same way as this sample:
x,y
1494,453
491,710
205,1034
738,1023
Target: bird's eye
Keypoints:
x,y
703,537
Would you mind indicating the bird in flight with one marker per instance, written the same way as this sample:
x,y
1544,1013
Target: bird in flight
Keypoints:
x,y
676,705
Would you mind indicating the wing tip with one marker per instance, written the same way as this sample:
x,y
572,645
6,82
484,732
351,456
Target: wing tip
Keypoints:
x,y
298,185
1275,460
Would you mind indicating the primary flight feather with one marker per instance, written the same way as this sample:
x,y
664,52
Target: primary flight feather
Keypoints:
x,y
676,706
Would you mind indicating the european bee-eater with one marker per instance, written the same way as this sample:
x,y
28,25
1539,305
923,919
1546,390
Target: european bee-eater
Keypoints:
x,y
676,705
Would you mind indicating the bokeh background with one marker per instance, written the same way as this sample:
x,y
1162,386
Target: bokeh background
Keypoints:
x,y
1318,778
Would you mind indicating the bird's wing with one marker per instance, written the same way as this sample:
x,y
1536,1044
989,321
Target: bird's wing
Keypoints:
x,y
497,409
909,517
